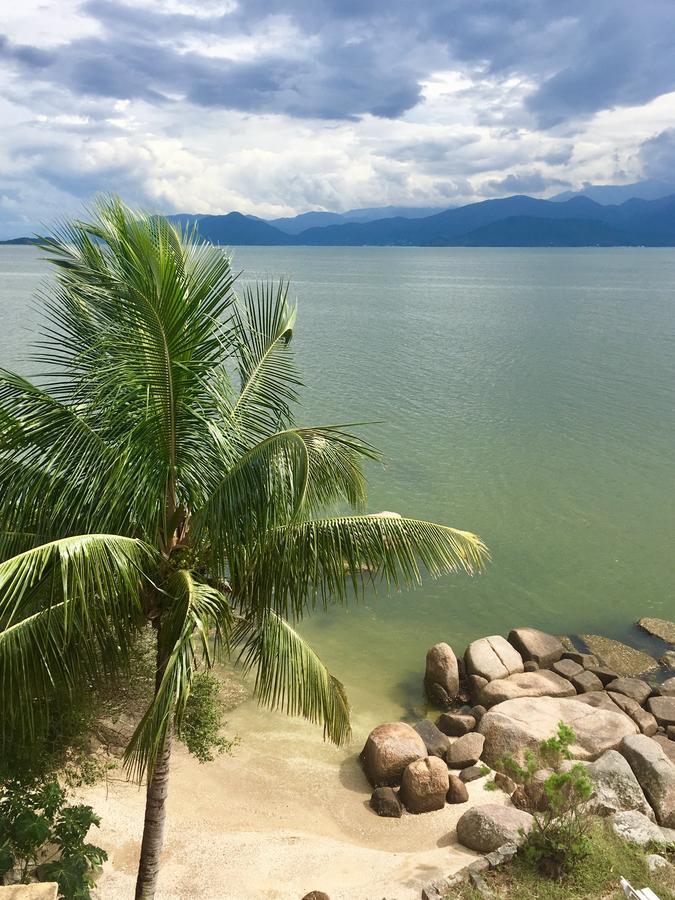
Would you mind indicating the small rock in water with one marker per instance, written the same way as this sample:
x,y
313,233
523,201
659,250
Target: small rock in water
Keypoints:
x,y
668,659
457,792
660,628
455,724
623,659
384,801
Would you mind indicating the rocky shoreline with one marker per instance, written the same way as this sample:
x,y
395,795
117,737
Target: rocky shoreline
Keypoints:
x,y
503,696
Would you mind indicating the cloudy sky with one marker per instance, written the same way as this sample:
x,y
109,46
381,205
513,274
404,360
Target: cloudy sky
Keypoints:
x,y
274,107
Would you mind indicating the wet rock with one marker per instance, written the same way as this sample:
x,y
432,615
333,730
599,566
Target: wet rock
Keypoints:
x,y
492,657
635,828
668,659
623,659
515,725
660,628
471,773
384,801
424,785
585,660
655,773
536,646
485,828
388,750
455,724
663,710
465,751
567,668
526,684
441,678
457,792
615,787
586,682
644,720
635,688
604,673
434,740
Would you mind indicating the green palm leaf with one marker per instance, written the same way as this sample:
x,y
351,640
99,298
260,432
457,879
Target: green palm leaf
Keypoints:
x,y
290,676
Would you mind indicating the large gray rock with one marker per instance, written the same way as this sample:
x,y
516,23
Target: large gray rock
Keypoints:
x,y
526,684
485,828
537,646
515,725
636,828
644,720
635,688
656,775
465,751
663,710
388,750
441,678
424,785
435,741
615,786
492,657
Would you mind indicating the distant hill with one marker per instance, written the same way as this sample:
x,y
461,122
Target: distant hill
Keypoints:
x,y
611,194
319,219
529,231
234,229
19,242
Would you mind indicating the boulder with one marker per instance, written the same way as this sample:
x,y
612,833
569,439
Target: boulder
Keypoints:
x,y
644,720
388,750
424,785
668,746
465,751
663,710
475,684
661,628
514,725
585,660
434,740
615,787
655,773
485,828
384,801
567,668
604,673
526,684
492,657
536,646
667,688
455,724
471,773
441,678
504,783
586,681
668,659
599,700
478,712
457,792
635,688
623,659
636,828
529,666
656,862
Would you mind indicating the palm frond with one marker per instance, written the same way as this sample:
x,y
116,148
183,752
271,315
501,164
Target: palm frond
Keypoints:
x,y
196,627
290,676
302,563
67,611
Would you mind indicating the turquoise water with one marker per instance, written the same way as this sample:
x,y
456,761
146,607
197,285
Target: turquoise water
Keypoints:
x,y
527,395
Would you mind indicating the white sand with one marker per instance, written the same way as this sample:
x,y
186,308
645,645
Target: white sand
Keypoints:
x,y
286,814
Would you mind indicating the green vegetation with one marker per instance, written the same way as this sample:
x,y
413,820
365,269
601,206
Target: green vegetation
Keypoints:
x,y
43,839
202,725
558,840
155,479
595,876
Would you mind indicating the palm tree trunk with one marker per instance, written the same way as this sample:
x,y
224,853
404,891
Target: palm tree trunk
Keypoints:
x,y
155,806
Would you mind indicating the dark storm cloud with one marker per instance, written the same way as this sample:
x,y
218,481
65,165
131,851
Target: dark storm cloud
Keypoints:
x,y
657,156
351,57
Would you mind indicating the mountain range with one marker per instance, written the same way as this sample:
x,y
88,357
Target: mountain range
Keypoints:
x,y
518,221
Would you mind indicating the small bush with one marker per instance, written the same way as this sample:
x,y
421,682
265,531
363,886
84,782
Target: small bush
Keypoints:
x,y
43,839
558,839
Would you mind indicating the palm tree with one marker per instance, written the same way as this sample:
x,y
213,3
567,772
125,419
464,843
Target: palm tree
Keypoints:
x,y
154,476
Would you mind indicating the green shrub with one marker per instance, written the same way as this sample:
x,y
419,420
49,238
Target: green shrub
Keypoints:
x,y
43,839
558,839
203,720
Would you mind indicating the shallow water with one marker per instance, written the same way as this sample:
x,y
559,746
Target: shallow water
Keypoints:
x,y
527,395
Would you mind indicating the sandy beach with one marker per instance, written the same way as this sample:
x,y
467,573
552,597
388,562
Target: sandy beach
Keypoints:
x,y
283,815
